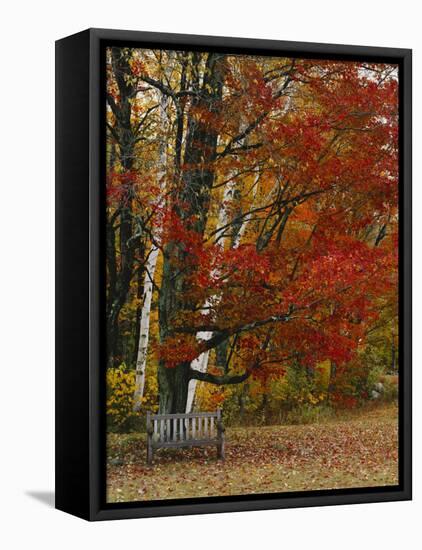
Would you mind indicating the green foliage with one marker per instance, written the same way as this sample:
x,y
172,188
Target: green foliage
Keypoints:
x,y
302,396
391,388
374,375
309,414
302,387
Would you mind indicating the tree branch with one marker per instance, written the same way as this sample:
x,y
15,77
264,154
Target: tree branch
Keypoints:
x,y
166,90
253,125
219,380
113,133
113,105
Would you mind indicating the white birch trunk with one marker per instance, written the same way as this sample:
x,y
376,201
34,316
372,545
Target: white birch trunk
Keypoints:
x,y
246,219
141,360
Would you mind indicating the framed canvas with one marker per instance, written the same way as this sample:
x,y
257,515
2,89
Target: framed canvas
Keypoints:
x,y
233,274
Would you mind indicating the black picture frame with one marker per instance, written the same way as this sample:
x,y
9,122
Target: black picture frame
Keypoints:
x,y
80,424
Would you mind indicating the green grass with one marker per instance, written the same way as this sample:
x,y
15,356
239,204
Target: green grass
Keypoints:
x,y
358,449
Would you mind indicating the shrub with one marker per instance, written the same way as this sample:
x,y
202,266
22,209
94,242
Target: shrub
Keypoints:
x,y
120,388
302,387
119,406
391,388
308,414
352,384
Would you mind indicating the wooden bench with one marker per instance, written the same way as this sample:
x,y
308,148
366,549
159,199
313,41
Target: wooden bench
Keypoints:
x,y
184,430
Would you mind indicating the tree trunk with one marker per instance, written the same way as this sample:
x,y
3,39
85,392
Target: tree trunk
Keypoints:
x,y
126,142
242,401
191,205
121,290
264,406
173,384
201,363
393,351
151,264
141,359
333,373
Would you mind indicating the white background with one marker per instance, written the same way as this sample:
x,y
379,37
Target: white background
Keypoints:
x,y
27,272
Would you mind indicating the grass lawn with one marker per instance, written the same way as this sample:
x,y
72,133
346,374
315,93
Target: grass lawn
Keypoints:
x,y
357,449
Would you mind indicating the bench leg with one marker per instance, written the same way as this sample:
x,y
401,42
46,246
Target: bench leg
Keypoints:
x,y
149,438
221,454
149,452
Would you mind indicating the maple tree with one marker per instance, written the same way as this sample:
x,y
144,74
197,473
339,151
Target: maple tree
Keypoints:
x,y
267,187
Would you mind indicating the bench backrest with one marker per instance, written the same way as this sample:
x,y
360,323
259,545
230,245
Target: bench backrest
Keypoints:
x,y
184,427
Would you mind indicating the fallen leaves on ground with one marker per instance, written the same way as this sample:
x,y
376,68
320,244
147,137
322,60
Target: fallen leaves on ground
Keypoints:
x,y
360,450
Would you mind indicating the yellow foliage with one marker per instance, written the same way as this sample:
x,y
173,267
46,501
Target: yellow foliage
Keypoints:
x,y
209,397
120,388
322,374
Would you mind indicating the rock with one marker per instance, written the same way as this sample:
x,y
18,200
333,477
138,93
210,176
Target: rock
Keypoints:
x,y
379,387
116,462
375,394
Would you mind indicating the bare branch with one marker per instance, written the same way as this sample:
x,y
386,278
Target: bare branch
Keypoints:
x,y
219,380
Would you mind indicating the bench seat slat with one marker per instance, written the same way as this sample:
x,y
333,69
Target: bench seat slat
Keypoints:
x,y
190,443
